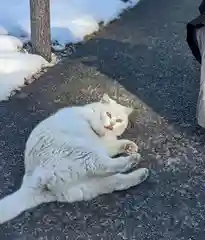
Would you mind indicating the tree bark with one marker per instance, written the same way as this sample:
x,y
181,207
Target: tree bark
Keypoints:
x,y
40,28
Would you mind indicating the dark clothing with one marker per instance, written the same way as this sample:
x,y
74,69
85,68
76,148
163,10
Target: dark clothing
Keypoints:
x,y
196,42
202,7
192,26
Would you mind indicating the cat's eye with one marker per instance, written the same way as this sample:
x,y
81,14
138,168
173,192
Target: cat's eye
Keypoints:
x,y
119,120
109,114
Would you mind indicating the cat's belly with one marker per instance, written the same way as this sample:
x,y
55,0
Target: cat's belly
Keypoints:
x,y
61,168
48,150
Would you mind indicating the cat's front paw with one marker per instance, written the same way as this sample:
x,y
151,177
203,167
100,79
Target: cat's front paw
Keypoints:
x,y
133,161
135,158
130,148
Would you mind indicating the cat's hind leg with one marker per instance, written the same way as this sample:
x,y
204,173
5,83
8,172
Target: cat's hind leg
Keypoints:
x,y
117,182
92,188
104,166
117,165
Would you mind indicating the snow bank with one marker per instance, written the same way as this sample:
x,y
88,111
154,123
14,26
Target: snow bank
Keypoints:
x,y
71,21
16,66
9,44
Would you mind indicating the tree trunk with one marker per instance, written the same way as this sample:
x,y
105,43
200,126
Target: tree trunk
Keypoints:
x,y
40,28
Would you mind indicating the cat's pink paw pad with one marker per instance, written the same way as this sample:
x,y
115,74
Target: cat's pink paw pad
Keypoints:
x,y
131,148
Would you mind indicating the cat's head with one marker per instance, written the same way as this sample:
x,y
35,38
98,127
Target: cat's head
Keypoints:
x,y
115,115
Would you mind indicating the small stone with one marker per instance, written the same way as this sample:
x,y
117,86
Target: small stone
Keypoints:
x,y
158,157
172,161
178,136
168,153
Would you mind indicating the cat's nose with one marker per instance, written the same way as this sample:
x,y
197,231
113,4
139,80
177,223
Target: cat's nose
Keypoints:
x,y
112,123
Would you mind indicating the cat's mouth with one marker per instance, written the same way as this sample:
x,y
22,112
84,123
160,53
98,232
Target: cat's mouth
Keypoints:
x,y
109,127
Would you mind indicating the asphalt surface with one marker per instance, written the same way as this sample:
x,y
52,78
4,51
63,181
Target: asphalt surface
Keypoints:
x,y
141,59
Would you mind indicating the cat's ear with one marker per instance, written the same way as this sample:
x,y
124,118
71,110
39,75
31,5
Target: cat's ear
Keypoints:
x,y
106,99
128,110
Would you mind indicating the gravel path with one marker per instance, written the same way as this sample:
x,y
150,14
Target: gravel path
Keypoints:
x,y
141,59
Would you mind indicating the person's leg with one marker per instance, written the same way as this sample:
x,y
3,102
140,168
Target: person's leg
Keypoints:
x,y
192,28
200,35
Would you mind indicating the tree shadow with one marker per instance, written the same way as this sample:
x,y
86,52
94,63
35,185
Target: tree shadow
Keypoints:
x,y
166,83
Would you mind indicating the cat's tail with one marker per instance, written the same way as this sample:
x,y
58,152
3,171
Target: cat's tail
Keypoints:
x,y
23,199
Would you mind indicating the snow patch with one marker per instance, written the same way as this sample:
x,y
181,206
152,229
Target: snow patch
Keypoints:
x,y
15,67
9,44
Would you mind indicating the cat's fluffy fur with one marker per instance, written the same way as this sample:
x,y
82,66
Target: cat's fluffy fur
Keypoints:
x,y
68,158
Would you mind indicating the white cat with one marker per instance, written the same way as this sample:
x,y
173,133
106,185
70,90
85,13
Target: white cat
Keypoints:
x,y
68,158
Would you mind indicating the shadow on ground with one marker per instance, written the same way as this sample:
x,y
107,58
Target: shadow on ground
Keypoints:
x,y
159,80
